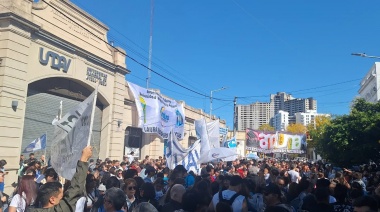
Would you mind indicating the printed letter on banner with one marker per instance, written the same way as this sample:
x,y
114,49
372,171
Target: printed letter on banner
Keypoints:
x,y
70,137
158,114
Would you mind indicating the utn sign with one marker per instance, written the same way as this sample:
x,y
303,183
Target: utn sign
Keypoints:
x,y
57,62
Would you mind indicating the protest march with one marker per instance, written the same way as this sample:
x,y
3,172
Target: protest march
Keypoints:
x,y
209,175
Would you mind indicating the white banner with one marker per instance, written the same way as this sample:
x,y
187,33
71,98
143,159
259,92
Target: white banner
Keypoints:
x,y
213,133
201,131
177,155
71,134
218,153
158,114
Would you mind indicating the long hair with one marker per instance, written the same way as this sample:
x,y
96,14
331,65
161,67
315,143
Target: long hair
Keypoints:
x,y
29,188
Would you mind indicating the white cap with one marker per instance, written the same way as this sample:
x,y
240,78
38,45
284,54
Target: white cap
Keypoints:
x,y
102,187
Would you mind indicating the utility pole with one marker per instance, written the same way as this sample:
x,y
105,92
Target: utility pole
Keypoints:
x,y
235,120
150,42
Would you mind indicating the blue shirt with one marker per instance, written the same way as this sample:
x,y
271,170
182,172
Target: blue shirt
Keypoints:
x,y
148,180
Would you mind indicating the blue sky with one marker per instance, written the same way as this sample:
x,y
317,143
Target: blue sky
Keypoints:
x,y
255,48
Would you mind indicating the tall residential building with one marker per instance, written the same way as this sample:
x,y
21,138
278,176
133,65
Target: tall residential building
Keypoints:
x,y
278,100
370,85
253,115
259,113
307,117
300,105
281,120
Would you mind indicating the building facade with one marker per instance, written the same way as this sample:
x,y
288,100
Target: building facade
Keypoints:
x,y
281,121
278,100
259,113
53,53
253,115
308,117
370,85
300,105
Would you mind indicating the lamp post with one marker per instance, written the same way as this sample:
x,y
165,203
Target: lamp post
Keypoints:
x,y
364,55
222,88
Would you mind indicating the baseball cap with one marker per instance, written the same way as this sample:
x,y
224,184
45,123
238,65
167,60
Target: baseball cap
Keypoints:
x,y
102,187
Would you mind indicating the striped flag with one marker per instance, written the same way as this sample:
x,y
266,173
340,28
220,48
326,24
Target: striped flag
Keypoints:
x,y
37,144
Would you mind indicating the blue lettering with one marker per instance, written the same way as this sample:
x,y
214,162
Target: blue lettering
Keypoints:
x,y
57,62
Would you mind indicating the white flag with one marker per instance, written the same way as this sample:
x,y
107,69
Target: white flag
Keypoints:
x,y
59,116
213,133
71,135
177,155
201,130
37,144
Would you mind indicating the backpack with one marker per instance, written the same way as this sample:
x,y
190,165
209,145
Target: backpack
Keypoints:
x,y
230,201
257,201
297,203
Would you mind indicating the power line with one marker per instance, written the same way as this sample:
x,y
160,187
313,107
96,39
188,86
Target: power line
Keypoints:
x,y
323,86
159,86
201,94
133,59
144,57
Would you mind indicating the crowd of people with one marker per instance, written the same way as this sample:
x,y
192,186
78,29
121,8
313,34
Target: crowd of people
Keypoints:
x,y
241,185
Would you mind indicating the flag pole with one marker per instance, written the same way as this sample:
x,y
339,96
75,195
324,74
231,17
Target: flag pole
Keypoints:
x,y
93,114
171,148
45,148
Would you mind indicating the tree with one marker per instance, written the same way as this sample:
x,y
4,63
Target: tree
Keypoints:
x,y
316,130
352,139
266,127
296,128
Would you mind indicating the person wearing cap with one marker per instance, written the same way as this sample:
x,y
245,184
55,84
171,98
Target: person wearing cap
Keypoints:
x,y
239,203
102,189
272,198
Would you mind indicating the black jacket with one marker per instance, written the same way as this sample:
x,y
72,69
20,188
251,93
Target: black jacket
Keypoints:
x,y
171,206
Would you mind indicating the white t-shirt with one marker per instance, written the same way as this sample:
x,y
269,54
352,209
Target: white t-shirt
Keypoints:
x,y
131,158
18,202
227,194
294,176
79,207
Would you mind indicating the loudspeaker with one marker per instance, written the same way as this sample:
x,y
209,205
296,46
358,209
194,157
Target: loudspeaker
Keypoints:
x,y
133,137
134,142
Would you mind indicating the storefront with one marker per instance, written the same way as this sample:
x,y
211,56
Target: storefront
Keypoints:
x,y
53,53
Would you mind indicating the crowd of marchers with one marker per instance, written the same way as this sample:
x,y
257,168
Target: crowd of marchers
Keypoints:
x,y
149,185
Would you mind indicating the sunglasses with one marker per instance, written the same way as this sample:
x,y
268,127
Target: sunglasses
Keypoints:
x,y
132,187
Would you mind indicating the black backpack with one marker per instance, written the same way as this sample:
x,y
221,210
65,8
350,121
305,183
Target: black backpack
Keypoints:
x,y
230,201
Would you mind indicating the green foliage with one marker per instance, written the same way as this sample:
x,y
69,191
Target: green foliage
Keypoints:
x,y
317,129
354,138
267,128
296,128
